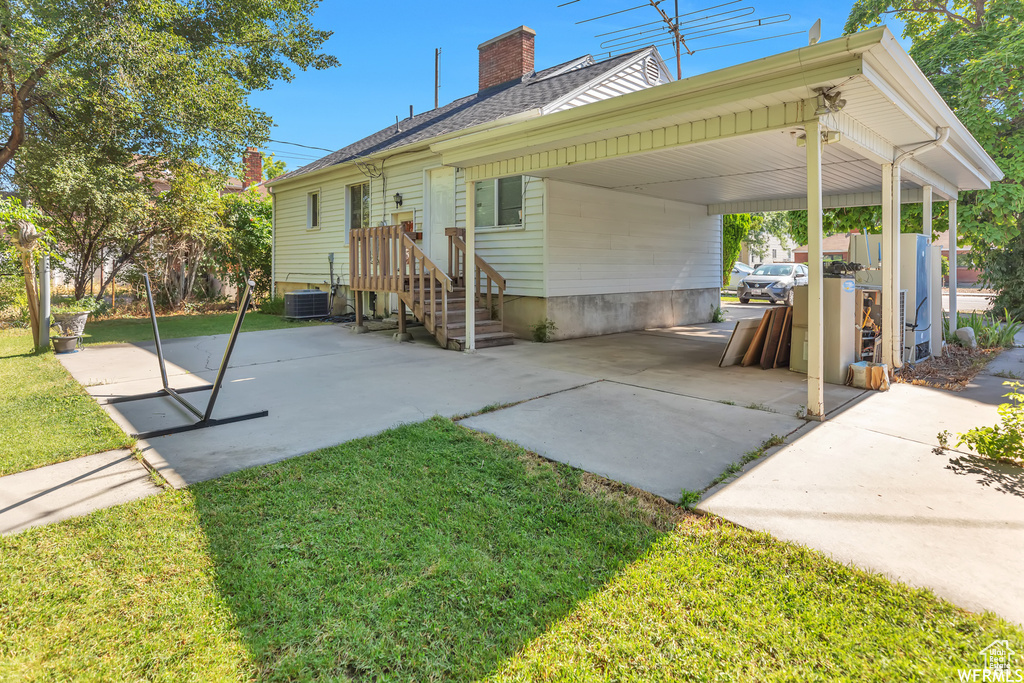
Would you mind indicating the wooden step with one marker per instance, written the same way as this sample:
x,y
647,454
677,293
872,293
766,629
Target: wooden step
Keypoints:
x,y
484,327
458,317
485,341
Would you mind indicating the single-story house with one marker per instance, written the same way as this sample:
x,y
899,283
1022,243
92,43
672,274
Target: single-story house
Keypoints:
x,y
833,248
598,206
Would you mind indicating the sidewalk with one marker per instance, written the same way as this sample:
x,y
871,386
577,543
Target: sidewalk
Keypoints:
x,y
866,487
71,489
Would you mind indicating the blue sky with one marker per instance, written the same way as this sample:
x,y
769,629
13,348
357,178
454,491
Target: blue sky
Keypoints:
x,y
387,56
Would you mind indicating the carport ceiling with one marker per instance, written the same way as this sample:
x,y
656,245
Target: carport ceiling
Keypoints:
x,y
764,166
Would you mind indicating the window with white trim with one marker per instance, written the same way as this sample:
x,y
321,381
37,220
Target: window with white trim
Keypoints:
x,y
499,203
313,210
359,206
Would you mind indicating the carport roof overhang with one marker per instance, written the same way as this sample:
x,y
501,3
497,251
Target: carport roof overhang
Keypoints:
x,y
729,139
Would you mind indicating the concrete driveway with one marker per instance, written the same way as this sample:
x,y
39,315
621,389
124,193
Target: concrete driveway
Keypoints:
x,y
868,487
646,408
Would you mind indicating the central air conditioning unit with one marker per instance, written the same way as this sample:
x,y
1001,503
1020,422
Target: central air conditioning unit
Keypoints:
x,y
306,303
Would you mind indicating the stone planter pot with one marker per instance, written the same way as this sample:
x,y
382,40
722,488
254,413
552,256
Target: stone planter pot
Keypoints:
x,y
70,324
64,344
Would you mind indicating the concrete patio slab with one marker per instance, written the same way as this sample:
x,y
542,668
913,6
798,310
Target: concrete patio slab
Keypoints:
x,y
71,489
657,441
326,385
322,385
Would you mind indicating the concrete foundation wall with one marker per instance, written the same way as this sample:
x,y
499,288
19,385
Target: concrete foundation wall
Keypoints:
x,y
597,314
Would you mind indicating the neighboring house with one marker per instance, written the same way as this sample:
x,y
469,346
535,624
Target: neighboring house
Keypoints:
x,y
833,248
554,242
965,277
776,250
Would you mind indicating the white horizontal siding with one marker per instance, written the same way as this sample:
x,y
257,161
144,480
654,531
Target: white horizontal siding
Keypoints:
x,y
604,242
300,255
630,78
517,253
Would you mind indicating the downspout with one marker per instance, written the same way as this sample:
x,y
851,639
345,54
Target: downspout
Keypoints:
x,y
941,136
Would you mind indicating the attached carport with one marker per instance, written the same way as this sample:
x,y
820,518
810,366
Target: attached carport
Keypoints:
x,y
848,122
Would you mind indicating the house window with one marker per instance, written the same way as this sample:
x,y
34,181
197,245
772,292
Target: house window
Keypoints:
x,y
359,206
774,254
313,210
499,202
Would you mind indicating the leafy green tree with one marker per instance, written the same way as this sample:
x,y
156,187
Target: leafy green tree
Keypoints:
x,y
735,228
973,53
98,204
187,216
173,74
246,250
272,167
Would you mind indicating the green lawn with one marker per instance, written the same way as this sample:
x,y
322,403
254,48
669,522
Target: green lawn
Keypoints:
x,y
46,416
432,553
114,330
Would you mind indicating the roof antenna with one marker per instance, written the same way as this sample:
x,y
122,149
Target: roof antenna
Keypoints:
x,y
680,30
814,35
437,74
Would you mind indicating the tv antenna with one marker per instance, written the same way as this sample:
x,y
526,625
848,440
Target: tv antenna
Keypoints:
x,y
681,30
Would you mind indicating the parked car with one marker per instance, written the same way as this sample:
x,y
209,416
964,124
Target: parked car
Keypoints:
x,y
772,281
739,271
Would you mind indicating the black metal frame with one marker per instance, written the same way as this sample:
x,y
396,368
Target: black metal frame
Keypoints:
x,y
204,418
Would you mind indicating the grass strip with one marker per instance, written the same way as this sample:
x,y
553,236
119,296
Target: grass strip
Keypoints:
x,y
121,330
47,416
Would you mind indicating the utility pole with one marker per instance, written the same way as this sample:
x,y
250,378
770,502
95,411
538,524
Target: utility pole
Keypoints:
x,y
437,74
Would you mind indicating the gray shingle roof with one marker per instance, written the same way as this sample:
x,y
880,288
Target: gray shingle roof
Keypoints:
x,y
532,92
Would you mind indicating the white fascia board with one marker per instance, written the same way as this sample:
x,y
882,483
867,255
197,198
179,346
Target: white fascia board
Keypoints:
x,y
600,78
421,145
858,138
902,74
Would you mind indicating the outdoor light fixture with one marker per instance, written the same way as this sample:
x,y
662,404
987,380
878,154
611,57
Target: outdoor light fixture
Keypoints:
x,y
398,199
828,102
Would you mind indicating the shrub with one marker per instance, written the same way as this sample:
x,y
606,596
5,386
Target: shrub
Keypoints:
x,y
717,314
1004,441
273,306
543,330
988,330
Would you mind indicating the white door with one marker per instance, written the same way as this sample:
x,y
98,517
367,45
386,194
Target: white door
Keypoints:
x,y
440,214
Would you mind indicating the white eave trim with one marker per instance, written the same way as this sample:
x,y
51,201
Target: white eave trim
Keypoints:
x,y
890,63
601,78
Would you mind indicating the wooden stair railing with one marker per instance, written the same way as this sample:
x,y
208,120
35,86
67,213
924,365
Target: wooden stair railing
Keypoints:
x,y
386,259
492,282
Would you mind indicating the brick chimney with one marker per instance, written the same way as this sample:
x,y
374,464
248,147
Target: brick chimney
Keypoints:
x,y
506,58
253,163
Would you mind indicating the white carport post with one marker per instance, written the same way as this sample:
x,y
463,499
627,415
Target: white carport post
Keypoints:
x,y
934,349
470,265
953,321
892,351
815,317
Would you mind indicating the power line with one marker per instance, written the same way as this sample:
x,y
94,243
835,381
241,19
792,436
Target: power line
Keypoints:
x,y
282,142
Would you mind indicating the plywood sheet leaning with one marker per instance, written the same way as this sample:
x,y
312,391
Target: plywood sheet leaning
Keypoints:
x,y
774,338
757,343
782,357
739,342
